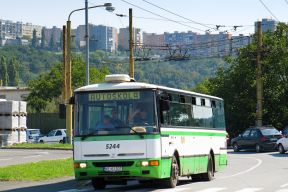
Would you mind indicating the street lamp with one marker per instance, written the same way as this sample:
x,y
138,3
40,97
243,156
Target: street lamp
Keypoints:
x,y
67,62
108,8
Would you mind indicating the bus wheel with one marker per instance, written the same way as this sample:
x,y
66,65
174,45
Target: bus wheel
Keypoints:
x,y
172,181
210,170
98,183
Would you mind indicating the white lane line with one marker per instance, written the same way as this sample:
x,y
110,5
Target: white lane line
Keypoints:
x,y
5,159
259,162
284,185
173,190
32,156
282,190
249,190
215,189
76,190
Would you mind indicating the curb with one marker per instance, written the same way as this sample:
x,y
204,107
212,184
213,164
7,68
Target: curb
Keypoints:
x,y
42,148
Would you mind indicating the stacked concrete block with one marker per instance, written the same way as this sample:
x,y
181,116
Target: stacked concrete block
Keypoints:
x,y
13,117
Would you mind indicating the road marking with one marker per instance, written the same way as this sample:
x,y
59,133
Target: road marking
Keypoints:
x,y
245,171
249,190
5,159
174,190
215,189
282,190
284,185
32,156
75,190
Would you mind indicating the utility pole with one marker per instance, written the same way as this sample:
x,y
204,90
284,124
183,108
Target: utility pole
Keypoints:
x,y
259,82
131,43
87,42
68,85
64,63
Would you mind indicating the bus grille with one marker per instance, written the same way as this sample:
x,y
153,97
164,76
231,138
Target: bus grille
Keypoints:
x,y
114,164
121,173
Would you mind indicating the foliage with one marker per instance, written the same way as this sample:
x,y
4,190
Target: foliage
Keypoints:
x,y
33,61
34,39
237,84
43,39
13,72
4,71
38,171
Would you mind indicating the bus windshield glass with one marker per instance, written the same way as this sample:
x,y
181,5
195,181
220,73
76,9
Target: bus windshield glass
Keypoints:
x,y
115,113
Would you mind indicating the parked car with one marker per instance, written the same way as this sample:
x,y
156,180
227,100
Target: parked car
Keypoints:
x,y
32,135
285,131
258,138
282,144
54,136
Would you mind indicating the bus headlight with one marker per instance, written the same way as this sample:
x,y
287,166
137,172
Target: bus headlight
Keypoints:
x,y
144,163
82,165
150,163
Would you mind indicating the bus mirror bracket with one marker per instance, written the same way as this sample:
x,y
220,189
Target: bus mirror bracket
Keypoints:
x,y
164,105
62,111
72,100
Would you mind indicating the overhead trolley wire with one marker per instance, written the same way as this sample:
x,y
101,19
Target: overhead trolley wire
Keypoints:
x,y
163,16
267,8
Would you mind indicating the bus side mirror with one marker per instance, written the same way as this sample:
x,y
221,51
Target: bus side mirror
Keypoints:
x,y
72,100
164,105
62,111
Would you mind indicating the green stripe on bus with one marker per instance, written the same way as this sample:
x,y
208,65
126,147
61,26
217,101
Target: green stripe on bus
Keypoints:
x,y
117,137
188,133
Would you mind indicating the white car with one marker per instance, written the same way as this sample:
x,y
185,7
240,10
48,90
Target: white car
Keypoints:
x,y
282,144
32,135
54,136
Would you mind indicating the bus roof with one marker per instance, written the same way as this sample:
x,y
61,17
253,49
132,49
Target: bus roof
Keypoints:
x,y
135,85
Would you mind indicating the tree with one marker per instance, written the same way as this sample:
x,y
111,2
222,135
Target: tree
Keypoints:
x,y
4,73
34,43
43,38
13,72
52,42
47,87
237,84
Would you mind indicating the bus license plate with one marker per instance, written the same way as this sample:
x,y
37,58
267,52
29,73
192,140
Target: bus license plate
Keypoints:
x,y
112,169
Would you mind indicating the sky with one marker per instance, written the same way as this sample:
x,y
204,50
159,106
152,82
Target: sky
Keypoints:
x,y
208,13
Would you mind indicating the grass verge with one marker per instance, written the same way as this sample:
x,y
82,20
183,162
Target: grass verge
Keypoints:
x,y
41,145
38,171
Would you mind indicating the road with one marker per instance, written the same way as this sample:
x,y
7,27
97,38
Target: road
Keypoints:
x,y
19,156
246,172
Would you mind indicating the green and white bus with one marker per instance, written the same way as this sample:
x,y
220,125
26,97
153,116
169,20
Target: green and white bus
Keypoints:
x,y
126,130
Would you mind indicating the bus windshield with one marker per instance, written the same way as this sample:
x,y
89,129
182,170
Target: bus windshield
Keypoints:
x,y
115,113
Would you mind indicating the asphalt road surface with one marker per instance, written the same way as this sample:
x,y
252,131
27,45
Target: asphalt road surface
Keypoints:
x,y
19,156
246,172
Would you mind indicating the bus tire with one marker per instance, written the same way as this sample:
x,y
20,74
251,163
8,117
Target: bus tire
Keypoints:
x,y
98,183
172,181
208,176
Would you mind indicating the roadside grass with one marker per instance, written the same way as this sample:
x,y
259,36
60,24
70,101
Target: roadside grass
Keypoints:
x,y
40,145
38,171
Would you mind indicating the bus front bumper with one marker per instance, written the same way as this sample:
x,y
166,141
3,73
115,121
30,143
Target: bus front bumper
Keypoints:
x,y
123,169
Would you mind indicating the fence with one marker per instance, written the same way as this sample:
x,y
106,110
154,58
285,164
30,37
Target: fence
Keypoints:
x,y
45,122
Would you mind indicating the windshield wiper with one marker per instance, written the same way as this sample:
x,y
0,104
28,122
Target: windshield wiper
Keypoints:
x,y
131,129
